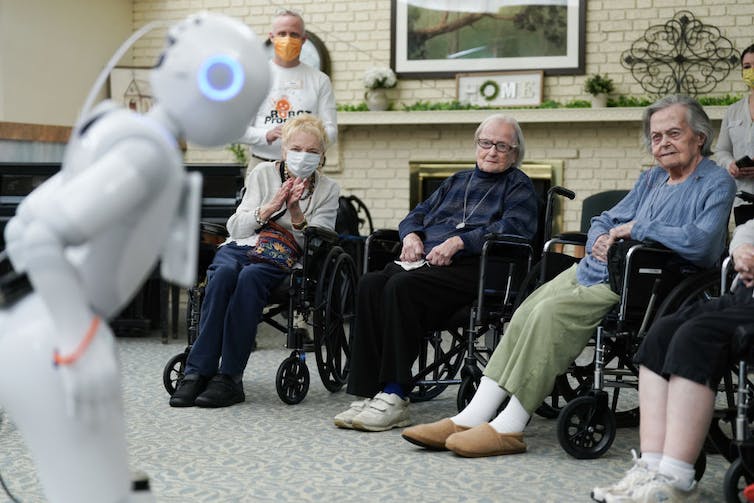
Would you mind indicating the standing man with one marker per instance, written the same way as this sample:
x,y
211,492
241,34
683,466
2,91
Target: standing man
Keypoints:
x,y
295,88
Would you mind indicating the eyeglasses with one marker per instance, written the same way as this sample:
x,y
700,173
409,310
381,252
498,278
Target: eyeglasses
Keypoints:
x,y
500,146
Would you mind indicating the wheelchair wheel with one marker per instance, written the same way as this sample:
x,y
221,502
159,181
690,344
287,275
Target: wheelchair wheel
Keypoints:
x,y
292,379
333,321
173,372
735,481
193,308
586,430
440,359
700,466
702,286
466,391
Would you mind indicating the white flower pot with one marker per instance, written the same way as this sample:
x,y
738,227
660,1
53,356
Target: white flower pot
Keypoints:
x,y
376,99
599,100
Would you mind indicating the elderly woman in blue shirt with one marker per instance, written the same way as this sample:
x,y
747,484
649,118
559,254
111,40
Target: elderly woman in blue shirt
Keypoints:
x,y
442,240
684,203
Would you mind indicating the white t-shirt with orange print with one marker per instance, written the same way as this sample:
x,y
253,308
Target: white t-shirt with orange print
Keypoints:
x,y
293,91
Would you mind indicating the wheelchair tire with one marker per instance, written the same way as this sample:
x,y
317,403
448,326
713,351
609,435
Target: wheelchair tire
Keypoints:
x,y
173,372
735,481
292,379
193,308
586,430
444,360
700,466
333,321
701,286
466,391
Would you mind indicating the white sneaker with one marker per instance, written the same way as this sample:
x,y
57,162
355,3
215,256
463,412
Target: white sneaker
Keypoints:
x,y
638,474
345,418
658,489
384,411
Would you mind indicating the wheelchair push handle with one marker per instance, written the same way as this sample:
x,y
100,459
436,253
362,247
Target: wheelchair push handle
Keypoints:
x,y
556,190
561,191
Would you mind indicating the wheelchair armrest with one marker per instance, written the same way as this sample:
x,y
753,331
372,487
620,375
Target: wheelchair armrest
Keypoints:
x,y
380,247
385,235
571,237
565,238
506,238
327,235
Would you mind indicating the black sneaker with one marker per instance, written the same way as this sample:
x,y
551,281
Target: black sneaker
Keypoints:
x,y
222,391
190,387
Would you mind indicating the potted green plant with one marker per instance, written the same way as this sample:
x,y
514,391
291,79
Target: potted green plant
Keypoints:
x,y
599,86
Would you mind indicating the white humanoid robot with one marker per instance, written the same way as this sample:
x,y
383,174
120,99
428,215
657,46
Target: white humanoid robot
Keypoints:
x,y
81,245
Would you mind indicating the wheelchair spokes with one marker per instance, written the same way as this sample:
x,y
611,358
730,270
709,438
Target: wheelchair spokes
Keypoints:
x,y
333,321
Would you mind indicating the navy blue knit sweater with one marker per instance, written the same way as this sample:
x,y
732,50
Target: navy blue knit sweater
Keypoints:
x,y
510,207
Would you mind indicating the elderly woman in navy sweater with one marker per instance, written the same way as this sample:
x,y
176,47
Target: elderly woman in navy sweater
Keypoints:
x,y
683,203
442,241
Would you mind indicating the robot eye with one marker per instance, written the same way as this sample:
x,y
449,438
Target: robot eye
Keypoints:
x,y
221,78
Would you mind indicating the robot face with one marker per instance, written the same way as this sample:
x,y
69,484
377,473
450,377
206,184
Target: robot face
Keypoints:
x,y
211,78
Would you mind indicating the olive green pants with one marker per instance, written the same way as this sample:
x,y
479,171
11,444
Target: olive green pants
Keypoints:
x,y
546,334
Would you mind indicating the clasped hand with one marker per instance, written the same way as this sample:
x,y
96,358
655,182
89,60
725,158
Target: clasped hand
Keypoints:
x,y
605,241
290,193
440,255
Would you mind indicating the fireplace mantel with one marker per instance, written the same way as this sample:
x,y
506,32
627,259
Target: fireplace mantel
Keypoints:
x,y
523,115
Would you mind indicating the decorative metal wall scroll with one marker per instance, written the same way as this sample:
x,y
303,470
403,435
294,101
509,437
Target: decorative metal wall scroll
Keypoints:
x,y
682,56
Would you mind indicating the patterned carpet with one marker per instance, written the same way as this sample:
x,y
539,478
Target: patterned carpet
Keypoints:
x,y
263,450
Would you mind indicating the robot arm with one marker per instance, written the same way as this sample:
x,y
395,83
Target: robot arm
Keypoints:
x,y
180,252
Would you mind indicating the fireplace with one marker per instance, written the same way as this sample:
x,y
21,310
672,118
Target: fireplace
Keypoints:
x,y
426,176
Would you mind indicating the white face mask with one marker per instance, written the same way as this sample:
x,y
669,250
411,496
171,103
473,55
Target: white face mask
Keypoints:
x,y
301,164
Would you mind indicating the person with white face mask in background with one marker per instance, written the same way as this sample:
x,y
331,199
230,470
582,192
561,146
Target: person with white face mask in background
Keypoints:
x,y
735,144
292,194
295,88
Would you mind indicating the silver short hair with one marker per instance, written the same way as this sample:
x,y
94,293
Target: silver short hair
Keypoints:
x,y
504,119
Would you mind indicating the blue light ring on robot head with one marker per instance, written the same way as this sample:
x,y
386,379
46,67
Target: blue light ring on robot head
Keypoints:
x,y
220,62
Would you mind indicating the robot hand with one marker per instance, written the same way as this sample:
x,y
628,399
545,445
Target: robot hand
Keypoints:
x,y
90,377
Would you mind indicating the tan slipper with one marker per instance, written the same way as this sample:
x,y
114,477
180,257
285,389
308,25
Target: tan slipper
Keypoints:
x,y
484,440
432,435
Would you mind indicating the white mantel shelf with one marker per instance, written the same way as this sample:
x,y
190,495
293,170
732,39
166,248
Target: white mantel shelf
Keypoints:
x,y
539,115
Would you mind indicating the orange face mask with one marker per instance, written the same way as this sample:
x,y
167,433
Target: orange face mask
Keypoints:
x,y
287,48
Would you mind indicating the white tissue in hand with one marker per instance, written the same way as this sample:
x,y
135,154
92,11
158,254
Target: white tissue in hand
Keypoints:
x,y
408,266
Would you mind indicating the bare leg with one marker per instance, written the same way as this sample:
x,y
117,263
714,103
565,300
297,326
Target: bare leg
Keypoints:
x,y
653,401
689,412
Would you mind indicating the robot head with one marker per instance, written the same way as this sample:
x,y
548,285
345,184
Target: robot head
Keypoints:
x,y
211,78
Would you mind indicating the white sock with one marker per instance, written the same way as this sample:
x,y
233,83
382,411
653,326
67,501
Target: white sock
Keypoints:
x,y
483,406
512,419
652,459
682,472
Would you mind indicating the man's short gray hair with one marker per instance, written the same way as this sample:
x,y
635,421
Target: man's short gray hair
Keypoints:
x,y
695,116
504,119
289,12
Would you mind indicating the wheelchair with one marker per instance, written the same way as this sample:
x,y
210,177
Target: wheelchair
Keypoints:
x,y
740,473
320,295
456,344
654,284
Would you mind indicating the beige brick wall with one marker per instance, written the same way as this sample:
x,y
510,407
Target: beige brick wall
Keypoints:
x,y
374,159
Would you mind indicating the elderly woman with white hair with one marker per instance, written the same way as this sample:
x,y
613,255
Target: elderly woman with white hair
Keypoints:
x,y
283,197
442,242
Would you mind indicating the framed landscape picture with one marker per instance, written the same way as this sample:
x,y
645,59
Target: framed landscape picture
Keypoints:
x,y
440,38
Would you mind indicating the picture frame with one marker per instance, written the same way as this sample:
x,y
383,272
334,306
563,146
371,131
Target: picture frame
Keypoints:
x,y
129,86
511,36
